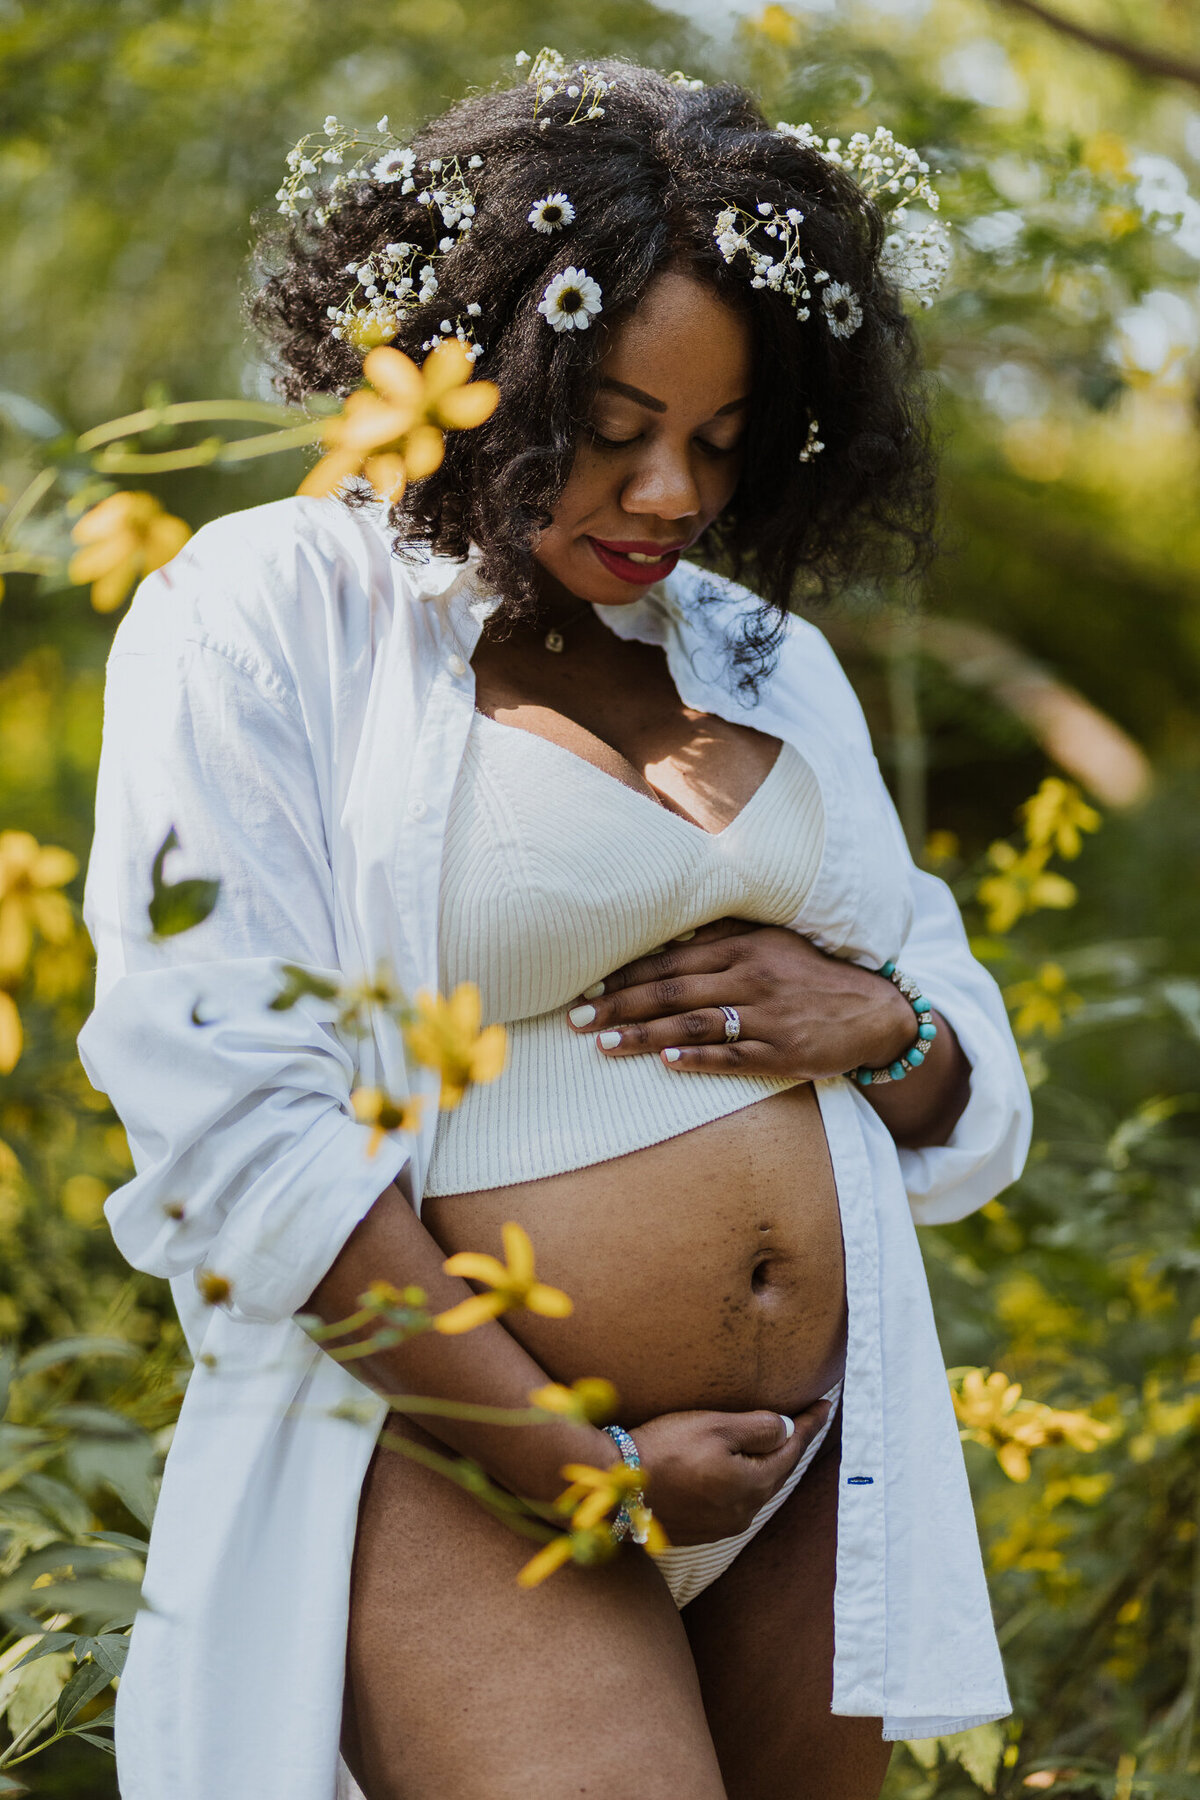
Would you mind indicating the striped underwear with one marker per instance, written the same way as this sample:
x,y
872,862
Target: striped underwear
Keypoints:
x,y
689,1568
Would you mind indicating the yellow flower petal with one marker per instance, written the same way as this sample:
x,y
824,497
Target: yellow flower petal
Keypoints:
x,y
489,1054
518,1253
327,475
424,449
464,408
387,475
644,1520
470,1313
597,1506
12,1039
165,539
549,1302
16,936
53,917
551,1557
112,590
396,377
53,867
476,1265
1014,1460
447,366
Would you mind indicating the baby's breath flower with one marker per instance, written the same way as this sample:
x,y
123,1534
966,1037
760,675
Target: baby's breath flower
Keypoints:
x,y
331,124
551,214
571,300
843,313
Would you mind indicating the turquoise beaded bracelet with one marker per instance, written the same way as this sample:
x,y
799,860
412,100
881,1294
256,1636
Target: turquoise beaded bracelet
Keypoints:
x,y
915,1055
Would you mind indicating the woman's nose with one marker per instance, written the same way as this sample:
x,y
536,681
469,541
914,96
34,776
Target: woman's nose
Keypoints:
x,y
665,486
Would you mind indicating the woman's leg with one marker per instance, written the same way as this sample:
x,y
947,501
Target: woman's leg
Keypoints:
x,y
463,1684
762,1639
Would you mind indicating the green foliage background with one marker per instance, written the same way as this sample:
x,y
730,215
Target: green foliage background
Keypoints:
x,y
137,139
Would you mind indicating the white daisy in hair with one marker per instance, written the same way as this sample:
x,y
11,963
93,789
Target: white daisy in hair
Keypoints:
x,y
843,314
570,301
394,165
551,214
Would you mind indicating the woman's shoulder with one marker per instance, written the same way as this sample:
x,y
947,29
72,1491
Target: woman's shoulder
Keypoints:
x,y
280,589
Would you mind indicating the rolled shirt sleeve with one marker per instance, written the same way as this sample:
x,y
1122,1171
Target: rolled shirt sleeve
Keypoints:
x,y
249,1160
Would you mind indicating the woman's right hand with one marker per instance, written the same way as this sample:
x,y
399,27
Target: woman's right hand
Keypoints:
x,y
708,1473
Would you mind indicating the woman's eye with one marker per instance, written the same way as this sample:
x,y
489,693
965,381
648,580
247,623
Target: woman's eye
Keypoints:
x,y
610,443
719,449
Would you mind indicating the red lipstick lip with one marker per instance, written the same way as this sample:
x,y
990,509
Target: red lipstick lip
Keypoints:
x,y
662,550
615,559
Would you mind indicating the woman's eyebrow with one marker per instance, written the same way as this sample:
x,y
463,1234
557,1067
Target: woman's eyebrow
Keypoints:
x,y
660,406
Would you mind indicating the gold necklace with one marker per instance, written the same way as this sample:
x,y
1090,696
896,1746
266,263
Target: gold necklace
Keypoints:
x,y
554,639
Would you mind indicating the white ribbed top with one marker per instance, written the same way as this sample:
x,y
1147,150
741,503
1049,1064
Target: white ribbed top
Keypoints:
x,y
553,875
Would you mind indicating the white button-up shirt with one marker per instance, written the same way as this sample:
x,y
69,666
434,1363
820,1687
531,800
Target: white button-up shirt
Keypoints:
x,y
295,700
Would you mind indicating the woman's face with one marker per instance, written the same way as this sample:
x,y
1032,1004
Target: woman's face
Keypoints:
x,y
661,451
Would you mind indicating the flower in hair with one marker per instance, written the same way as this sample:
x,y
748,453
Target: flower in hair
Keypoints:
x,y
782,267
812,445
550,75
394,165
843,313
551,214
570,301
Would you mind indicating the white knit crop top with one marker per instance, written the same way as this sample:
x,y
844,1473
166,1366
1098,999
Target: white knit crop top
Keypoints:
x,y
553,875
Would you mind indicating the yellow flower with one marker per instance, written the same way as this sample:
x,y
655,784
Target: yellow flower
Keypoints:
x,y
391,431
1021,884
371,1106
123,538
1056,815
591,1546
445,1036
594,1493
29,874
778,26
12,1038
512,1285
1105,154
990,1411
587,1401
1042,1003
940,847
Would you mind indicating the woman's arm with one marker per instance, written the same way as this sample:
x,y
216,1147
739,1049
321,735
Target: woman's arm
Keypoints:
x,y
486,1366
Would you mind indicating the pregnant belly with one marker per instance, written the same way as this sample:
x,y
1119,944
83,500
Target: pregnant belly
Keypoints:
x,y
705,1271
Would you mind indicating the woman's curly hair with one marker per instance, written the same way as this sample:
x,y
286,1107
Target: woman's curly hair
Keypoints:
x,y
646,181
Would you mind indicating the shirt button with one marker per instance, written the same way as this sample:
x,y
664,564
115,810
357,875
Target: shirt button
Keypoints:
x,y
456,665
417,809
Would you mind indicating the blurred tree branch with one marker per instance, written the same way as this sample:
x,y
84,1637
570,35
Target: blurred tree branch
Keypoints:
x,y
1138,56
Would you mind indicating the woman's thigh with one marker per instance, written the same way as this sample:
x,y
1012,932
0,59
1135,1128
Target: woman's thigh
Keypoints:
x,y
462,1684
762,1640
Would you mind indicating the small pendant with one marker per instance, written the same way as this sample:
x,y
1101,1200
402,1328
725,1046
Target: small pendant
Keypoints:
x,y
553,640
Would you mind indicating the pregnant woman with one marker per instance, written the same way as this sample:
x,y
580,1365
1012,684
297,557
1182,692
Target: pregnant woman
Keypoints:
x,y
505,730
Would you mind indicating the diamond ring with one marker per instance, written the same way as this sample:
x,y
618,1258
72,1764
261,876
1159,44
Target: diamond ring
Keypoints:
x,y
733,1024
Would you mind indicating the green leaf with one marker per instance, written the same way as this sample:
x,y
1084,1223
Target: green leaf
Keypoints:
x,y
300,982
178,906
88,1680
127,1465
91,1737
979,1751
8,1363
10,1789
53,1640
139,1546
63,1350
108,1651
39,1689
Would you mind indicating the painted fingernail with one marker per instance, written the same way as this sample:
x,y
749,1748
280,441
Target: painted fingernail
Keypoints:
x,y
682,937
608,1040
582,1015
672,1055
594,992
789,1425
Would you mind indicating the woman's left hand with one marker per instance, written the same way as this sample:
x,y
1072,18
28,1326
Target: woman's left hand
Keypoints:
x,y
804,1015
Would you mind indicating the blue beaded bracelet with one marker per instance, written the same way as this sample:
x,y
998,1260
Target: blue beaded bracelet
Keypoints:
x,y
915,1055
623,1522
